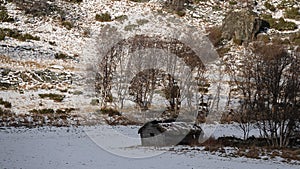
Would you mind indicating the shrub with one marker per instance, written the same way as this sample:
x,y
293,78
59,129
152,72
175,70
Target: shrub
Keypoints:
x,y
52,96
53,43
280,41
237,41
2,35
130,27
232,2
121,18
197,1
110,111
4,17
279,24
283,25
180,13
62,56
74,1
270,6
104,17
215,36
5,103
38,8
86,32
77,92
142,21
136,0
94,102
67,24
13,33
28,36
292,13
222,51
295,38
264,38
253,153
5,112
42,111
64,111
286,3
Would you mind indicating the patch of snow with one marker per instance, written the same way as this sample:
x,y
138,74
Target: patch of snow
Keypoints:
x,y
51,147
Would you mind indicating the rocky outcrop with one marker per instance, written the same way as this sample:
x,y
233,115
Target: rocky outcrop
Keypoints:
x,y
12,79
241,26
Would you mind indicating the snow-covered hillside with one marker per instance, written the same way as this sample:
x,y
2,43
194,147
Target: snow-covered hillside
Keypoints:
x,y
69,43
51,53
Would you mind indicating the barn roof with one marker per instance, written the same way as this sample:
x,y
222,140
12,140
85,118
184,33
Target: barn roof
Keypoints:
x,y
171,125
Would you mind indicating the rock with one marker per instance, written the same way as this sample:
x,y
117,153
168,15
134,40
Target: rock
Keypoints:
x,y
241,26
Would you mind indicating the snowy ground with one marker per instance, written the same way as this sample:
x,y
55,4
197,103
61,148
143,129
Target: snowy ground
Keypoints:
x,y
79,148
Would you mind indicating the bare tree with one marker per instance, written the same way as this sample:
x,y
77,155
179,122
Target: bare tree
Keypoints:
x,y
268,81
241,73
277,82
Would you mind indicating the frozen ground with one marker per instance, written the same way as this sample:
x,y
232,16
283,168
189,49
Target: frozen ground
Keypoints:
x,y
74,148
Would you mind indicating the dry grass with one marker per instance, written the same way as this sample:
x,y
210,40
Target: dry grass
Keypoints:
x,y
215,35
52,96
211,145
253,152
289,154
12,63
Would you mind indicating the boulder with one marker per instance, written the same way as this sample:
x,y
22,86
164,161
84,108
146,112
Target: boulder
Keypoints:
x,y
241,26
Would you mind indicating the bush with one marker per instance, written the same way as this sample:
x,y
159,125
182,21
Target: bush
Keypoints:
x,y
270,6
263,38
64,111
292,13
94,102
62,56
279,24
104,17
142,21
222,51
67,24
295,39
5,103
121,18
215,36
52,96
286,3
4,17
28,36
280,41
42,111
136,0
180,13
197,1
4,112
253,153
13,33
74,1
38,8
237,41
2,35
283,25
130,27
232,2
110,111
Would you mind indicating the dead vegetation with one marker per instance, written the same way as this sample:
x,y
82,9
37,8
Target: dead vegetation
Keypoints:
x,y
6,104
53,96
256,148
40,117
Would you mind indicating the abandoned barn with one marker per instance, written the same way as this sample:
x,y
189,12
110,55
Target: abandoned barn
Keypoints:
x,y
169,132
